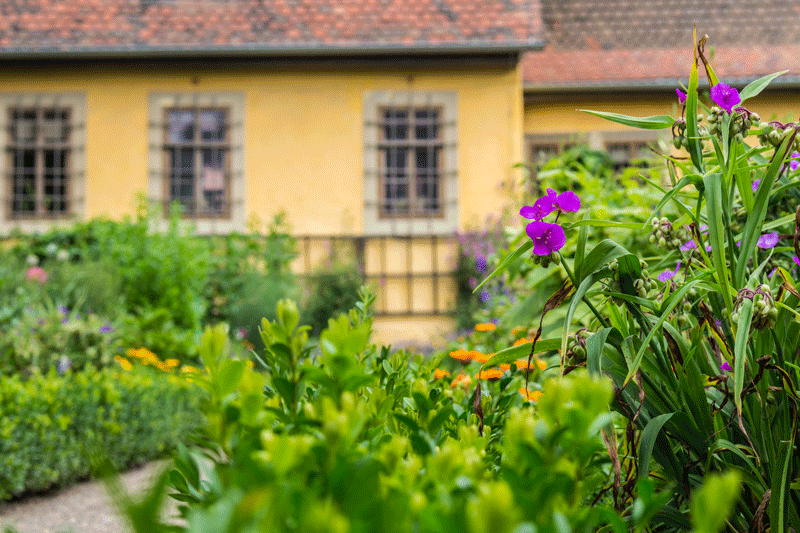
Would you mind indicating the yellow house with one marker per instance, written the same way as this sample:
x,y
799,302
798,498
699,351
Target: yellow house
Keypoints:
x,y
388,123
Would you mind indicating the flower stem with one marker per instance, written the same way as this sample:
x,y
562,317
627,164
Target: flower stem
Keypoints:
x,y
566,268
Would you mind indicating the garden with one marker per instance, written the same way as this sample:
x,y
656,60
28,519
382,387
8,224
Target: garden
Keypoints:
x,y
627,358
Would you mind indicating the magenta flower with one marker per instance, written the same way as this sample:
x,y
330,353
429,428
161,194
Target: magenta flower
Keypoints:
x,y
755,184
794,162
796,260
669,274
537,211
681,96
725,96
568,201
36,273
547,238
725,366
768,240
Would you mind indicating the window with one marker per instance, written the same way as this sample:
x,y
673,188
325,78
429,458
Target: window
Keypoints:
x,y
197,151
625,149
626,154
43,161
410,153
197,158
410,163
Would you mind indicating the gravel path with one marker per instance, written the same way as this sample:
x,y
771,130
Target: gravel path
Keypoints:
x,y
82,508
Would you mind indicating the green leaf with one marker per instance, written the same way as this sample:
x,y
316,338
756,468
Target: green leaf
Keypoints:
x,y
594,348
754,88
601,255
649,435
230,374
511,354
513,256
714,501
695,145
660,122
740,349
716,233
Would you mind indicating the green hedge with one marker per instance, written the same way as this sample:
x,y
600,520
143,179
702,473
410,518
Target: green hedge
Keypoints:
x,y
51,424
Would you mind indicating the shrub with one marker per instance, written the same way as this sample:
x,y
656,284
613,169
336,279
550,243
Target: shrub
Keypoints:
x,y
331,290
50,424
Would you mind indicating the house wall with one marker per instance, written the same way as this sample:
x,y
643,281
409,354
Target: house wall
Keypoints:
x,y
303,138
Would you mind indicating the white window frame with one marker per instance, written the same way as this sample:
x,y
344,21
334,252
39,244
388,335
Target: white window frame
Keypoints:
x,y
76,179
443,223
158,174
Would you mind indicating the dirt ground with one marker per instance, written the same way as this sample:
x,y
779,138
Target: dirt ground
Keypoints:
x,y
82,508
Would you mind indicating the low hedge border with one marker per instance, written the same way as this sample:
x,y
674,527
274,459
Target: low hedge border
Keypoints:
x,y
51,424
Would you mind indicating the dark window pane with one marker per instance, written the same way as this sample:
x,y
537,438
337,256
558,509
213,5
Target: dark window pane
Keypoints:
x,y
213,179
181,126
23,128
395,124
427,126
212,125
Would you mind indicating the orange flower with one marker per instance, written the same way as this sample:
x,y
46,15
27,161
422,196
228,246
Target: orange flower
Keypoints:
x,y
523,340
505,367
462,356
487,326
522,364
188,369
480,357
439,373
124,363
517,330
491,374
531,396
461,379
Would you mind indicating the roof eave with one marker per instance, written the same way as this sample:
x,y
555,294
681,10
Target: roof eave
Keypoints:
x,y
311,50
644,85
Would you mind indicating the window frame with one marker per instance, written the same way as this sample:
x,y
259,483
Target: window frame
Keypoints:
x,y
377,222
74,168
158,191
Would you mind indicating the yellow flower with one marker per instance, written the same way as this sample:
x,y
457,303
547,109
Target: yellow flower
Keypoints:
x,y
439,373
461,379
188,369
486,326
462,356
522,364
146,356
172,363
124,363
531,396
491,374
250,363
523,340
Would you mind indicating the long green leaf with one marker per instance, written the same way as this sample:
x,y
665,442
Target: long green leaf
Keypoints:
x,y
777,501
510,258
691,179
695,145
754,88
594,349
602,254
716,233
740,349
511,354
660,122
649,435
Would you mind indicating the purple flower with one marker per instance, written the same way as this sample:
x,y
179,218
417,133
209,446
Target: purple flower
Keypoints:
x,y
755,183
725,366
796,260
480,262
547,238
106,328
681,96
65,320
794,162
669,274
63,310
768,240
568,201
725,96
540,209
485,296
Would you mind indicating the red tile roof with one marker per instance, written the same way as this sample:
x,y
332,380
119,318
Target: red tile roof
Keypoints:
x,y
59,27
613,43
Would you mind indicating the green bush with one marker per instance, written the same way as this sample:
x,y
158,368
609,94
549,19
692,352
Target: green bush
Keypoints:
x,y
50,424
331,291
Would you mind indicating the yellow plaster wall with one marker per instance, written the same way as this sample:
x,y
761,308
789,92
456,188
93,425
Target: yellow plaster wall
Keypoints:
x,y
559,114
303,133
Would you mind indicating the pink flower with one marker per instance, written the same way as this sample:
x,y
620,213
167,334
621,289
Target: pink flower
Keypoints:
x,y
768,240
669,274
794,163
725,96
725,366
755,184
36,273
681,96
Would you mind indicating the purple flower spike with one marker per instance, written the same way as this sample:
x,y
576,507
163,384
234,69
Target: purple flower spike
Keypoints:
x,y
688,246
480,262
794,161
485,296
106,328
768,240
725,96
755,184
547,238
568,201
725,366
669,274
681,96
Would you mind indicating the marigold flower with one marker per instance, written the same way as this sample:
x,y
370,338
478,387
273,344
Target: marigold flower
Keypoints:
x,y
124,363
725,96
523,340
522,364
188,369
531,396
492,374
171,363
486,326
518,329
480,357
461,379
439,373
505,367
462,356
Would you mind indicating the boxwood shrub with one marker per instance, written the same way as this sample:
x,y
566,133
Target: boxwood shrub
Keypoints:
x,y
51,424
